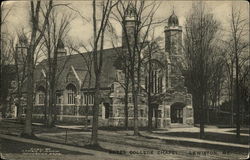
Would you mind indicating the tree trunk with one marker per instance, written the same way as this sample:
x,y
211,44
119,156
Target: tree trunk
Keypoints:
x,y
46,104
232,96
237,97
202,115
50,119
135,100
150,114
126,107
30,89
19,108
94,135
19,105
156,116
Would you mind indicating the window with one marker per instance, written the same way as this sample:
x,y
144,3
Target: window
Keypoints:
x,y
159,84
91,99
153,80
41,95
41,98
58,98
71,89
71,98
88,98
141,112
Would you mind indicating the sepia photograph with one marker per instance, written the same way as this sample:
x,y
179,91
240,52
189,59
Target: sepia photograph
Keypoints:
x,y
124,80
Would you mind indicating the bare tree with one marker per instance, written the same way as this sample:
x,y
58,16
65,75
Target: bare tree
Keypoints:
x,y
121,63
152,49
56,31
200,33
134,37
35,38
239,43
6,55
20,53
97,52
88,63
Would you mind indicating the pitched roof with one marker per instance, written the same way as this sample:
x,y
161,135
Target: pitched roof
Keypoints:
x,y
79,63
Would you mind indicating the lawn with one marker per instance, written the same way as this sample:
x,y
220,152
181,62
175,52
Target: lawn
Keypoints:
x,y
122,143
212,136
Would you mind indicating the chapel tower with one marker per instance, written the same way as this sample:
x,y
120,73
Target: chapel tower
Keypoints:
x,y
173,48
22,49
130,21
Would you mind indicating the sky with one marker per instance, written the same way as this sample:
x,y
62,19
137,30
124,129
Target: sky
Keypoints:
x,y
81,30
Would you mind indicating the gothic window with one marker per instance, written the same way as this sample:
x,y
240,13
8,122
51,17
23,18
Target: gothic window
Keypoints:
x,y
41,98
40,95
91,99
153,78
58,98
71,91
88,98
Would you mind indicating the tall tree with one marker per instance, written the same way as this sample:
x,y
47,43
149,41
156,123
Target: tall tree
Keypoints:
x,y
152,49
35,38
56,31
199,39
87,83
5,54
239,43
97,52
137,19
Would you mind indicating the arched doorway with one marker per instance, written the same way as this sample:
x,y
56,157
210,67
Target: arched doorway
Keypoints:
x,y
176,111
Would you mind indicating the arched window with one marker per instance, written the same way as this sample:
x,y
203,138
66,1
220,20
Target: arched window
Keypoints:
x,y
58,97
154,77
71,91
41,95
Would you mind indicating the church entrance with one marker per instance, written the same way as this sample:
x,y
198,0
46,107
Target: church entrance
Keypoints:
x,y
176,112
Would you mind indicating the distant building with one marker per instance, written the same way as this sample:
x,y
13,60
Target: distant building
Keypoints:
x,y
172,104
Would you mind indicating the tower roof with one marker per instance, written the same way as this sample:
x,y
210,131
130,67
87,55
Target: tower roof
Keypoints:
x,y
23,39
173,20
130,10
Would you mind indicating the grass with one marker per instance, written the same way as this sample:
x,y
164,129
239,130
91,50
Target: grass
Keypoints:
x,y
212,136
9,146
113,139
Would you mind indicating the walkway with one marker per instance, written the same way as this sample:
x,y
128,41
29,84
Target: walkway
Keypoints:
x,y
196,140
